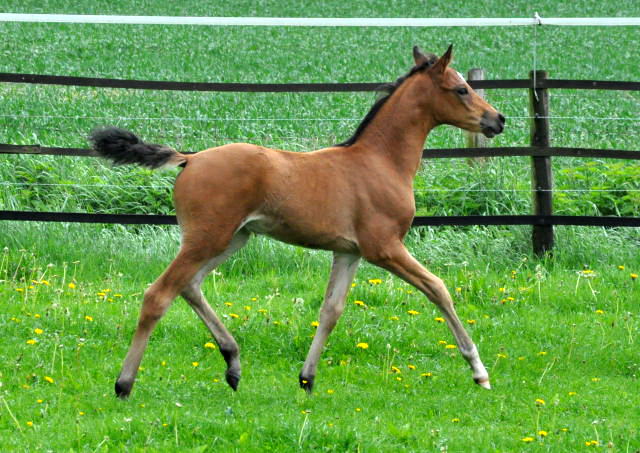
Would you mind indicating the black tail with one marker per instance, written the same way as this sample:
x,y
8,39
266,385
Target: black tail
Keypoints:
x,y
123,147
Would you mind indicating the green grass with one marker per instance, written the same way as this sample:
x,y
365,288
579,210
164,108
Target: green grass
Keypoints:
x,y
586,323
521,307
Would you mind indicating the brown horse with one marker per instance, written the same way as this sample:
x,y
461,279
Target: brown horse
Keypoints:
x,y
354,199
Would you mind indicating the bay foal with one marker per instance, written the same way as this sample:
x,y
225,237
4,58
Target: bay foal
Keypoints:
x,y
354,199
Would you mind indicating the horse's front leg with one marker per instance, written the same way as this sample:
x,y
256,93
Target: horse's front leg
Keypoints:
x,y
395,258
342,273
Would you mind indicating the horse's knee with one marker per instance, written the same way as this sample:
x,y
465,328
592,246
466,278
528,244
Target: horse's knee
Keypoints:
x,y
154,306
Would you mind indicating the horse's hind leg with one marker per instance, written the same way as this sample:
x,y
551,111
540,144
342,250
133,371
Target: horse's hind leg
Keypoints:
x,y
185,267
193,295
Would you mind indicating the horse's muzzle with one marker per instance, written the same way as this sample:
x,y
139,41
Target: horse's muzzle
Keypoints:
x,y
492,124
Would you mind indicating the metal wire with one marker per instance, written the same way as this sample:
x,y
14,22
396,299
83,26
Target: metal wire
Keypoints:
x,y
137,186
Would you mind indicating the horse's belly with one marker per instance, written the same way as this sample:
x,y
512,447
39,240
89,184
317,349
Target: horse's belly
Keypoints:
x,y
310,236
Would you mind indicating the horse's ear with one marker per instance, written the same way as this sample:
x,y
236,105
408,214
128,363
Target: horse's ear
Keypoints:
x,y
444,60
421,58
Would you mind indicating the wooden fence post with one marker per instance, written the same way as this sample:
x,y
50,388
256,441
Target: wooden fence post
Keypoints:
x,y
541,174
474,139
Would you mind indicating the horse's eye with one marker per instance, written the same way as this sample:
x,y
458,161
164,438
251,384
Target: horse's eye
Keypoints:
x,y
462,91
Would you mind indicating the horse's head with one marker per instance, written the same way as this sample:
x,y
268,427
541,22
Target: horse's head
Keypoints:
x,y
450,98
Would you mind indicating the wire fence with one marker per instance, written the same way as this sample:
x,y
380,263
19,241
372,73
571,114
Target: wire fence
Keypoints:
x,y
510,91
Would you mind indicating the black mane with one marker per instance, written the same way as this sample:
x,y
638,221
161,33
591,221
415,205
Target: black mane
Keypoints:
x,y
389,89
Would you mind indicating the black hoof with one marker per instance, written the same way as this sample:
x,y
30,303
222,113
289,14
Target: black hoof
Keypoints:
x,y
232,380
123,389
306,383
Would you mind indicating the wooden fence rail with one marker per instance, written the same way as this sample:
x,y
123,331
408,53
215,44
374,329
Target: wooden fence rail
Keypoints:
x,y
540,150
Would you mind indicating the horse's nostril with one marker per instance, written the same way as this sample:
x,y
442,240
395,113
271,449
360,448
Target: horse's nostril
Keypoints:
x,y
502,118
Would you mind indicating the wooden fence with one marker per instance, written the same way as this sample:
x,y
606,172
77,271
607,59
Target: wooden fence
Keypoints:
x,y
540,151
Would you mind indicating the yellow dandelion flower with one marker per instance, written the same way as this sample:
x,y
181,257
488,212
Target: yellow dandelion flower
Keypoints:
x,y
542,433
595,379
101,294
358,409
395,369
572,393
38,331
426,374
262,310
37,316
80,413
633,276
502,356
621,267
353,285
362,346
360,303
195,364
411,367
49,379
450,346
72,285
20,290
527,439
331,391
163,363
39,401
542,353
442,342
29,424
599,312
458,289
398,378
413,312
471,321
229,304
88,318
540,402
394,318
592,443
521,358
247,307
32,341
209,345
234,316
455,420
315,324
253,299
502,290
375,281
438,320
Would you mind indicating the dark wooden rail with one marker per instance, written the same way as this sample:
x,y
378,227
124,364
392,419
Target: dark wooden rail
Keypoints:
x,y
540,150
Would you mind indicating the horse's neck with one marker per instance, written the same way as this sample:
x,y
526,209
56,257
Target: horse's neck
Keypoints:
x,y
398,132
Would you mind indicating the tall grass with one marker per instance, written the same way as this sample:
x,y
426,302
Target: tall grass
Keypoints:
x,y
559,335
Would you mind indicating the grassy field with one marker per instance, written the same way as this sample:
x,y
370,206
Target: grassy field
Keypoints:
x,y
558,335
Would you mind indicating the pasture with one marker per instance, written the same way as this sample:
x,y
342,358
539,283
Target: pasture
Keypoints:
x,y
558,335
